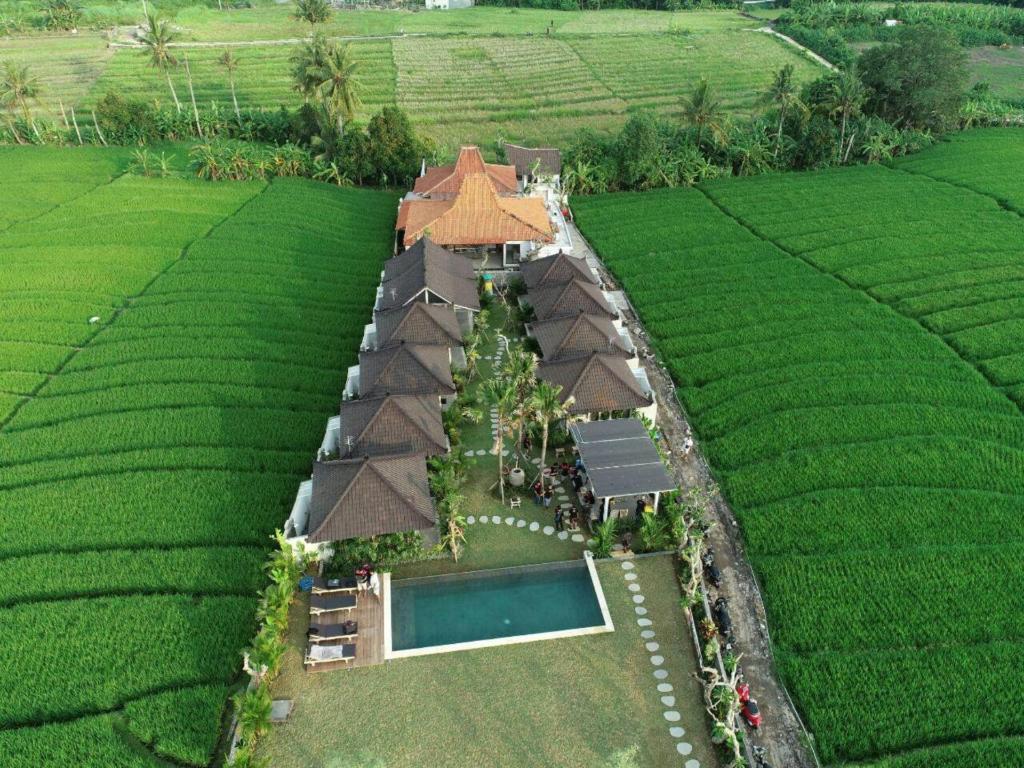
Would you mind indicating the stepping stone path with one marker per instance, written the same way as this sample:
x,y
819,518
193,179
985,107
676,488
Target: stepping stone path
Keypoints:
x,y
470,520
535,526
578,538
657,661
563,535
496,519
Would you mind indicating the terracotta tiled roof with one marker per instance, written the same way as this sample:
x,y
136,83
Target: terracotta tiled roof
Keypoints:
x,y
597,383
369,496
569,299
418,323
448,276
584,334
443,182
560,268
523,158
393,424
406,369
477,216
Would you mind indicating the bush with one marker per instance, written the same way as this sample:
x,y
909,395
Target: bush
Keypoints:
x,y
126,121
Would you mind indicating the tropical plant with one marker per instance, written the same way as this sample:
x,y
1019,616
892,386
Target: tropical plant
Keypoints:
x,y
520,370
230,64
18,88
784,94
157,37
253,710
847,96
604,537
312,11
307,64
338,85
500,395
454,532
703,110
62,15
547,407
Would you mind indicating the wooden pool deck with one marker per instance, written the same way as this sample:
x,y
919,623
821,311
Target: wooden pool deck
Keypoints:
x,y
369,615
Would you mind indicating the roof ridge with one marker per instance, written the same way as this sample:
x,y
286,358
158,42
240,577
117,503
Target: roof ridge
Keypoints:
x,y
341,497
517,217
408,501
400,405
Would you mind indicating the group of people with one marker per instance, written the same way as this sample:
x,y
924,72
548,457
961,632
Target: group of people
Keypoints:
x,y
367,579
544,494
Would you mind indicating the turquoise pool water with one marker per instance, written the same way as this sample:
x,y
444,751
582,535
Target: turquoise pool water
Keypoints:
x,y
484,605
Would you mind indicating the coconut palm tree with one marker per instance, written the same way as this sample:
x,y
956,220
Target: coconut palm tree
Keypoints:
x,y
230,64
846,100
18,87
338,84
784,94
157,37
455,524
547,407
500,395
703,110
312,11
520,370
307,63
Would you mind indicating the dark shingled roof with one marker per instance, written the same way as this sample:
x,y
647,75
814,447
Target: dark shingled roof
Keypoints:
x,y
418,323
523,159
392,425
553,270
567,337
572,298
620,458
406,369
596,383
427,266
369,496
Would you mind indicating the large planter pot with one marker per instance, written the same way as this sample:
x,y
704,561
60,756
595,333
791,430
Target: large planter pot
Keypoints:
x,y
516,477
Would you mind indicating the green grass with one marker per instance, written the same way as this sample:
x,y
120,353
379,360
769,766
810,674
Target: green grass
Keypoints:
x,y
1002,69
571,702
846,344
154,451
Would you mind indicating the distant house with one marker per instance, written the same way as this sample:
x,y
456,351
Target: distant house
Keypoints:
x,y
415,323
600,384
392,424
533,164
428,273
369,496
568,337
569,300
445,5
404,369
556,269
442,182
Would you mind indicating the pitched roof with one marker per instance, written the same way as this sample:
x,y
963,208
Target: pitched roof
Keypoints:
x,y
476,216
392,424
597,383
430,267
583,334
569,299
523,158
418,323
560,268
369,496
405,369
443,182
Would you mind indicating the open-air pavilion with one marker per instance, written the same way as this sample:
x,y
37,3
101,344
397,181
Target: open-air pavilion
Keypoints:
x,y
621,462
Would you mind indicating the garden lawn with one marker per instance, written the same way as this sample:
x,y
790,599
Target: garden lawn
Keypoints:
x,y
1003,70
149,454
844,343
571,702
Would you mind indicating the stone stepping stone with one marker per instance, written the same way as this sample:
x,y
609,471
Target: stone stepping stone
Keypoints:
x,y
627,566
535,461
692,764
590,542
630,576
469,452
638,599
470,520
672,716
668,701
634,587
520,523
563,535
505,452
644,622
510,521
651,647
578,538
660,674
496,519
657,660
548,530
666,688
534,526
484,519
481,452
647,634
677,732
640,610
684,748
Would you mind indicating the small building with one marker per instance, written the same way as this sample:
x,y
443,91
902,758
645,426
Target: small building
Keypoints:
x,y
568,337
601,384
415,323
446,5
404,369
550,301
428,273
558,269
443,182
535,164
389,425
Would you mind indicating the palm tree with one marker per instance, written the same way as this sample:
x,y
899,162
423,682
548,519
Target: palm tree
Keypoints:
x,y
18,87
307,63
500,394
253,708
455,524
338,84
157,37
703,110
548,407
783,93
312,11
230,64
847,99
520,370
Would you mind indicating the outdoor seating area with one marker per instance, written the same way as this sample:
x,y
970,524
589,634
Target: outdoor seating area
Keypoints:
x,y
346,623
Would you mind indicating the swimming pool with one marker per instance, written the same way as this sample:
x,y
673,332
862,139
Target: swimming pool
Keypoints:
x,y
483,608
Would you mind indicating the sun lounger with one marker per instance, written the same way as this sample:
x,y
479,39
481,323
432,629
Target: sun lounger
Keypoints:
x,y
321,604
334,586
332,633
328,654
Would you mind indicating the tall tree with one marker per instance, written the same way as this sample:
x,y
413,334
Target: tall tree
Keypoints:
x,y
338,84
18,88
307,65
846,98
230,64
784,95
500,395
548,407
312,12
157,37
704,111
520,370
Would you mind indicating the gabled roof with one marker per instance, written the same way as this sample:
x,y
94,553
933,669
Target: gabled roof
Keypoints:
x,y
406,369
430,267
443,182
368,497
524,158
569,299
560,268
584,334
476,216
392,424
597,383
620,457
418,323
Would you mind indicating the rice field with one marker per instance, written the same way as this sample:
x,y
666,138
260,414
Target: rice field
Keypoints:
x,y
852,386
171,350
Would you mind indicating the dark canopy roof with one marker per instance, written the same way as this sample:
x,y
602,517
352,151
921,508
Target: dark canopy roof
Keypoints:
x,y
555,270
620,458
571,298
523,159
418,323
428,266
569,336
406,369
392,424
596,383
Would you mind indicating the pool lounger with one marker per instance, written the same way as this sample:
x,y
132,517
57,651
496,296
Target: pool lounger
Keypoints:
x,y
321,604
334,586
331,633
330,654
